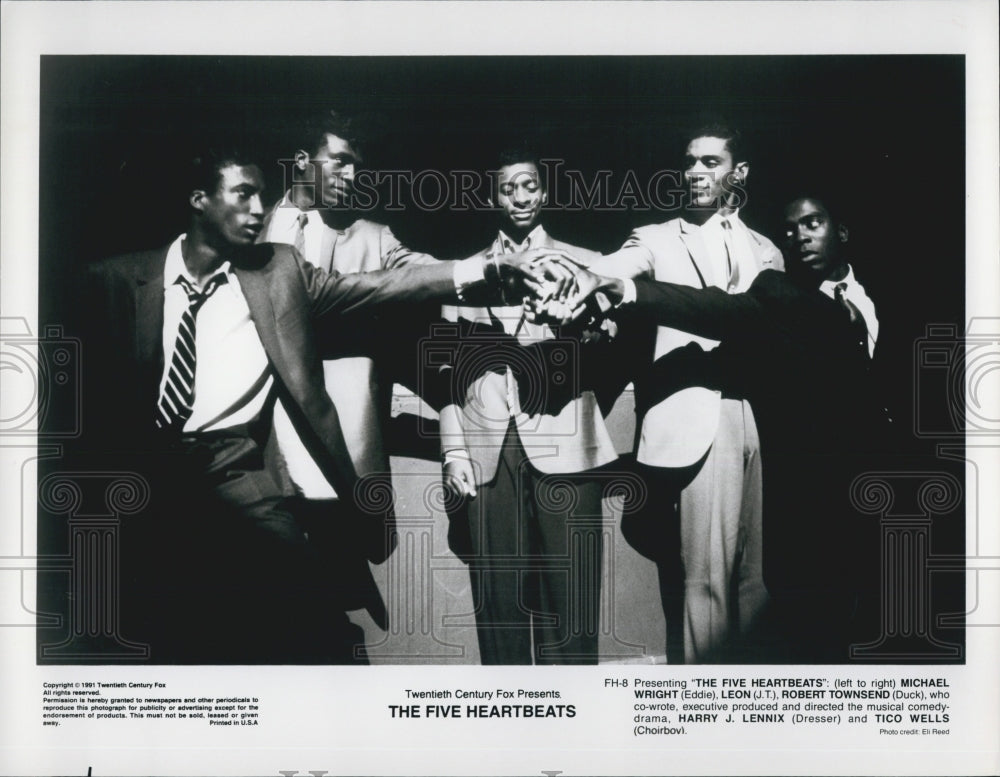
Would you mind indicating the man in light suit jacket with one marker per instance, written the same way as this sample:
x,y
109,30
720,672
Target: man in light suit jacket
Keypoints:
x,y
518,442
188,348
698,448
316,215
797,345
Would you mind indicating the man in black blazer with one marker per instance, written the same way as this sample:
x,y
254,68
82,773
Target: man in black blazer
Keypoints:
x,y
799,351
219,571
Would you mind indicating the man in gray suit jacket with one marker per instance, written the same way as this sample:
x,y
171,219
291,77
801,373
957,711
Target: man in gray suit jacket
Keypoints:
x,y
698,449
520,455
188,348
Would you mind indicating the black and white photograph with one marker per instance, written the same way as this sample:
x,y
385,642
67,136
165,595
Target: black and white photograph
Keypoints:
x,y
510,383
459,443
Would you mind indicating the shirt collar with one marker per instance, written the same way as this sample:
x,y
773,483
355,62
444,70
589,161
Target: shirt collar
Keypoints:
x,y
286,213
717,218
533,239
827,287
174,265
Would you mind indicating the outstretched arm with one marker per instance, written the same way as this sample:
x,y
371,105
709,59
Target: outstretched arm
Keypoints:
x,y
395,255
709,312
446,282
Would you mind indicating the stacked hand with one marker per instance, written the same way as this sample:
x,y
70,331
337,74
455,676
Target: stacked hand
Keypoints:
x,y
537,273
560,288
555,288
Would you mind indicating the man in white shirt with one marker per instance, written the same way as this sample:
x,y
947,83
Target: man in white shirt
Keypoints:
x,y
697,448
521,455
316,217
188,347
820,243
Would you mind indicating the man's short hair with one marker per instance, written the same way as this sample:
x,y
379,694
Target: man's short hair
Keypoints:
x,y
514,154
205,166
329,122
518,153
735,142
827,195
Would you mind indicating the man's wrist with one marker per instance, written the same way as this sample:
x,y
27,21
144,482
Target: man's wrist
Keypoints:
x,y
615,290
456,454
468,273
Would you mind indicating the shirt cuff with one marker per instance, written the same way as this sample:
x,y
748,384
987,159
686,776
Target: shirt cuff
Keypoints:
x,y
629,295
456,454
468,272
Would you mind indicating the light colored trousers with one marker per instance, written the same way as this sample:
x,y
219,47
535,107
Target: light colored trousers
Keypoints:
x,y
713,588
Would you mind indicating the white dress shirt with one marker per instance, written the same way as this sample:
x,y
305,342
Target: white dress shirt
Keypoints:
x,y
855,293
512,317
232,373
361,246
734,266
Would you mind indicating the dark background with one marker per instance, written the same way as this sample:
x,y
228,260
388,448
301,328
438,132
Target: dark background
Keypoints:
x,y
887,133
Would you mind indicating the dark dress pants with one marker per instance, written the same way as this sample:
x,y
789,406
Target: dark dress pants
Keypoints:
x,y
536,563
231,576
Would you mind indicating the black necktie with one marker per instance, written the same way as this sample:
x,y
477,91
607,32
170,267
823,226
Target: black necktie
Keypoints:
x,y
857,320
177,398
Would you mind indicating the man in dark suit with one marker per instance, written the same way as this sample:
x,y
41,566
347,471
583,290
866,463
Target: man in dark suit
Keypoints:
x,y
188,349
799,352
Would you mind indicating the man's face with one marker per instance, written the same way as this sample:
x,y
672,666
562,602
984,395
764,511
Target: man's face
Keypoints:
x,y
707,164
520,195
233,213
337,160
813,242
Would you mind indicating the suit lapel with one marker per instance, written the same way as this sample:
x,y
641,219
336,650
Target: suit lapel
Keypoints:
x,y
257,291
762,253
695,245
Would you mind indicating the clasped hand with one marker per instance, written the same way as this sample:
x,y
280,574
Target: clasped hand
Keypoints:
x,y
555,288
559,289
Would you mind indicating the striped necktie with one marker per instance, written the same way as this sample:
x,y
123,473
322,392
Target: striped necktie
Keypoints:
x,y
177,399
